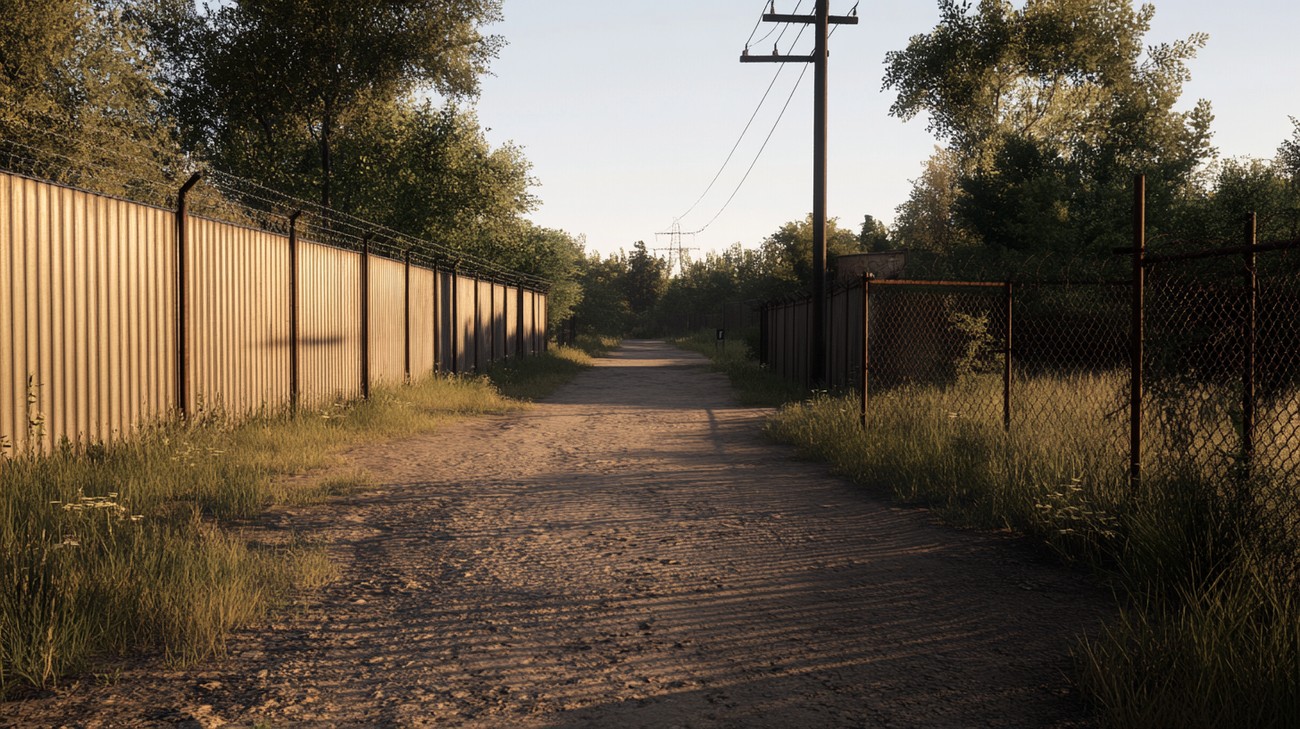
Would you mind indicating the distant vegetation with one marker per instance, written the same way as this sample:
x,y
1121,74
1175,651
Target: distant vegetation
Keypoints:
x,y
1043,112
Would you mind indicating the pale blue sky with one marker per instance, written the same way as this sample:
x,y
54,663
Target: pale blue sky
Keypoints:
x,y
627,109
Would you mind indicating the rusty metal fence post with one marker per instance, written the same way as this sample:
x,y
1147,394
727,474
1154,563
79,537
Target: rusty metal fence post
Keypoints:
x,y
866,349
1248,354
182,298
295,384
406,316
365,317
1006,362
478,325
437,320
455,320
1138,333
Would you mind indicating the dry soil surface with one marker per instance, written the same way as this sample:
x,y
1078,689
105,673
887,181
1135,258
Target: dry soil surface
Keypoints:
x,y
630,553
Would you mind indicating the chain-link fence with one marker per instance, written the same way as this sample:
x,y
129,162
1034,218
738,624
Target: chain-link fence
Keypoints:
x,y
1222,382
1049,368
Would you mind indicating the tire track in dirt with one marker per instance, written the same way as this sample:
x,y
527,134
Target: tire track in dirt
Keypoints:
x,y
631,553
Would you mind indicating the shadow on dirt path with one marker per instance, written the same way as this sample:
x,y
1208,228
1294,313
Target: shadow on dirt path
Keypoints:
x,y
631,553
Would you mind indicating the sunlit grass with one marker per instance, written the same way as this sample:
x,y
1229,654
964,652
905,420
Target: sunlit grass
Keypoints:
x,y
137,546
753,384
1209,635
533,378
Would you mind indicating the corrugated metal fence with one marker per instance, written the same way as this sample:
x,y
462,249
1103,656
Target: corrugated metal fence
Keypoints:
x,y
89,304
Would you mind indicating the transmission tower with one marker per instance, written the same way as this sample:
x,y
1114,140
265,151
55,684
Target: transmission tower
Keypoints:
x,y
676,250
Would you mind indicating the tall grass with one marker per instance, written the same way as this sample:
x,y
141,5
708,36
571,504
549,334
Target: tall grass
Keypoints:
x,y
754,384
533,378
136,545
1209,634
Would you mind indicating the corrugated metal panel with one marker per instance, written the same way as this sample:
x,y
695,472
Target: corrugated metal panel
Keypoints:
x,y
387,321
483,325
87,304
330,328
512,321
447,353
465,324
422,322
530,326
238,312
543,321
499,321
85,284
9,318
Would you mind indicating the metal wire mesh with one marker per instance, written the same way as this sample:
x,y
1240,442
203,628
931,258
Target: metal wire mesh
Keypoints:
x,y
947,341
1070,367
1223,385
1047,367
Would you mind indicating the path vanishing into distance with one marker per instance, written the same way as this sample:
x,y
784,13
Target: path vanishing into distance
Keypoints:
x,y
630,553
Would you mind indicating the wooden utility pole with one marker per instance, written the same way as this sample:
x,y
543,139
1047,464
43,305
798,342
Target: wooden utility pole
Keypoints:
x,y
823,20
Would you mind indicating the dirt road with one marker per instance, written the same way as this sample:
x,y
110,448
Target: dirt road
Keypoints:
x,y
631,553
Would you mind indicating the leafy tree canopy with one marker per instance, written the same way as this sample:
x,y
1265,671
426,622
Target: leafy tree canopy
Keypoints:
x,y
1048,110
265,87
78,103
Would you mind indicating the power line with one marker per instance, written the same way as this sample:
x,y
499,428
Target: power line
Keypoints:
x,y
744,131
790,98
783,27
757,23
736,146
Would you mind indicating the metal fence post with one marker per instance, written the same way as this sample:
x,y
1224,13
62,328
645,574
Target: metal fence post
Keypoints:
x,y
406,316
365,317
810,356
295,384
478,323
519,323
182,298
1138,334
455,320
866,347
1006,363
1248,364
437,320
848,337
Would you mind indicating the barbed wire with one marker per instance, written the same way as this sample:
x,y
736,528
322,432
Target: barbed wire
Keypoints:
x,y
99,167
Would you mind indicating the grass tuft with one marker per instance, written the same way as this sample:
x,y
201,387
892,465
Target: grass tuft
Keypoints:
x,y
533,378
1209,635
755,385
135,545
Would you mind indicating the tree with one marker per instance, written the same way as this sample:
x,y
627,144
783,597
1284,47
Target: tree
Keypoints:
x,y
788,251
874,236
604,308
77,101
1288,154
926,221
1049,109
1214,211
432,174
267,87
646,279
